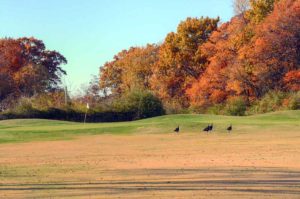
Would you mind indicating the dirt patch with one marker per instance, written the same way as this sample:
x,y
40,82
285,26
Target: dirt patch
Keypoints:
x,y
263,165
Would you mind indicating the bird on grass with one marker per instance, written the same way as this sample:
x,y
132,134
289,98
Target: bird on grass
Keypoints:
x,y
211,127
229,129
207,129
177,130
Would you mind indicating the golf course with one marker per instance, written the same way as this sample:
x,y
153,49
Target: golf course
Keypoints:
x,y
150,99
259,158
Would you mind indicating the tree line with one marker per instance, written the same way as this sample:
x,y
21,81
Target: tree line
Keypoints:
x,y
206,62
250,63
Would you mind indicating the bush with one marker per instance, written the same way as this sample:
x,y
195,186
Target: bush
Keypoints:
x,y
236,106
38,108
275,101
24,106
133,105
175,107
217,109
292,102
69,115
272,101
143,103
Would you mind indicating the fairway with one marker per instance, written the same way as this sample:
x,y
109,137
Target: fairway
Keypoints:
x,y
146,159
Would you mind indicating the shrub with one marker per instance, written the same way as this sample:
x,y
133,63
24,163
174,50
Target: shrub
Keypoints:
x,y
133,105
175,107
292,102
69,115
275,101
272,101
217,109
143,103
236,106
24,106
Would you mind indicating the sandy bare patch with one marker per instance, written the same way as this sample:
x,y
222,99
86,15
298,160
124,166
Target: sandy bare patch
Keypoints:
x,y
154,166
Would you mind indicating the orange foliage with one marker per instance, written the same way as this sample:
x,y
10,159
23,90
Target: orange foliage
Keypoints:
x,y
221,50
274,50
181,60
292,80
201,64
130,69
29,67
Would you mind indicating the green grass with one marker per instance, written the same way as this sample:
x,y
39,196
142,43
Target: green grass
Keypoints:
x,y
37,130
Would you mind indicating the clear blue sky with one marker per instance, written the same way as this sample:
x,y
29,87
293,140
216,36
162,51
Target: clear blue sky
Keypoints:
x,y
90,32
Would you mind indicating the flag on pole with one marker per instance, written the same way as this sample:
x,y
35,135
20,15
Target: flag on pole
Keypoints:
x,y
87,106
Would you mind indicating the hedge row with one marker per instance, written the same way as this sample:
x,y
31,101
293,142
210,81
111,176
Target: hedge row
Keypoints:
x,y
70,115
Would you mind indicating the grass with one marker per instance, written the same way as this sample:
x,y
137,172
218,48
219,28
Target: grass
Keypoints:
x,y
259,159
27,130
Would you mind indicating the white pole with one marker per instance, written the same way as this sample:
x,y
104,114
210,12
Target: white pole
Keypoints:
x,y
85,116
87,108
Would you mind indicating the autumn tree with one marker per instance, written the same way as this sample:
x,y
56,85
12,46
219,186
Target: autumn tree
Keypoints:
x,y
29,66
180,59
213,85
275,50
46,61
130,69
260,9
202,64
250,57
6,86
292,80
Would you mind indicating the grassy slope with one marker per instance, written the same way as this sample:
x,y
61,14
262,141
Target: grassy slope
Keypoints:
x,y
35,129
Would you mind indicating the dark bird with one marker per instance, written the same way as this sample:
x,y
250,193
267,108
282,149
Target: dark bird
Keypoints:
x,y
211,127
229,128
207,129
177,130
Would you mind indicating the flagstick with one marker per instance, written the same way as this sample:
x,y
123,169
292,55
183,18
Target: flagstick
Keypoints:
x,y
87,108
85,115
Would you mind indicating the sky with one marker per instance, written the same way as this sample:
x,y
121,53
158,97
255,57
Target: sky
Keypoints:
x,y
90,32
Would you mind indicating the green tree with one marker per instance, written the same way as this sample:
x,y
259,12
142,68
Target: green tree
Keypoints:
x,y
143,103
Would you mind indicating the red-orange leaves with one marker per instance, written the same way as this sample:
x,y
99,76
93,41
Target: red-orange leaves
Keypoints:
x,y
181,60
292,80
